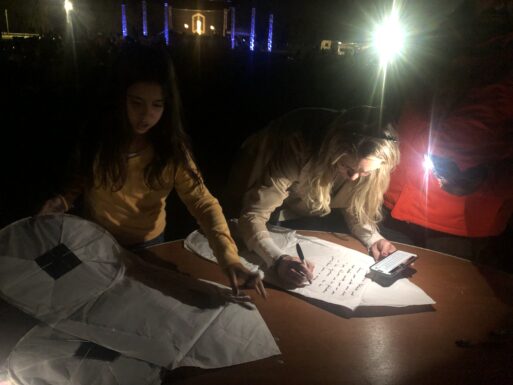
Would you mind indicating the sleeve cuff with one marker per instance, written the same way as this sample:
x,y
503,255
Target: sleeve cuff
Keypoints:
x,y
368,242
267,250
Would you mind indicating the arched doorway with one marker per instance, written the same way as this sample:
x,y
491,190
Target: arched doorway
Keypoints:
x,y
198,23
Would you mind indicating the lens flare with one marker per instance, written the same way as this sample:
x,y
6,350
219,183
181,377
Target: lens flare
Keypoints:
x,y
389,38
68,6
428,163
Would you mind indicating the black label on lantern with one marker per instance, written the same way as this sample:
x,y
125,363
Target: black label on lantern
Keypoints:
x,y
92,351
58,261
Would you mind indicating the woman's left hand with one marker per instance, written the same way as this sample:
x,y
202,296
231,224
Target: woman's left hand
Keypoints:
x,y
237,272
381,249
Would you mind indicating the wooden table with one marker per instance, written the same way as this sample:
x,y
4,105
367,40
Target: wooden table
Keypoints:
x,y
466,338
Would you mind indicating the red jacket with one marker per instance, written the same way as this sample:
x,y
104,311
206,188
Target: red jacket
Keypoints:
x,y
479,130
415,196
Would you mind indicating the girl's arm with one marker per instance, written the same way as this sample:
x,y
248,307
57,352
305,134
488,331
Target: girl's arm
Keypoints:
x,y
258,205
74,189
365,233
369,235
209,215
64,202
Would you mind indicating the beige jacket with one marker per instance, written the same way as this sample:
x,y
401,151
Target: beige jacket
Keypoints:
x,y
263,193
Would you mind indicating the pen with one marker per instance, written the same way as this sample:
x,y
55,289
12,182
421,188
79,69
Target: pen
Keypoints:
x,y
302,258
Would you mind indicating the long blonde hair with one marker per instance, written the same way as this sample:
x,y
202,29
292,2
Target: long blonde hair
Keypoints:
x,y
357,133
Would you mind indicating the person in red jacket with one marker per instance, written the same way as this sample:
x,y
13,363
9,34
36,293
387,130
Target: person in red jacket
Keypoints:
x,y
455,180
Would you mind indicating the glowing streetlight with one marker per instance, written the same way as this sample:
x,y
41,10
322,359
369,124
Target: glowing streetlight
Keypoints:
x,y
388,41
389,38
212,28
68,6
186,26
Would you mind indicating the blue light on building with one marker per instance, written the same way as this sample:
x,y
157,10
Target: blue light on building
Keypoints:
x,y
144,18
124,29
166,23
270,34
252,33
232,34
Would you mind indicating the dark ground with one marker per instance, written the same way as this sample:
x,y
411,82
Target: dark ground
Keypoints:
x,y
227,95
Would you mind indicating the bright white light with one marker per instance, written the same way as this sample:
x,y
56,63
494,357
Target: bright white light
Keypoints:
x,y
68,6
212,27
186,26
389,38
428,163
198,26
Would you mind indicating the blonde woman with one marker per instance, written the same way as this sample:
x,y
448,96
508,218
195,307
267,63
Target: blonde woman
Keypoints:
x,y
308,163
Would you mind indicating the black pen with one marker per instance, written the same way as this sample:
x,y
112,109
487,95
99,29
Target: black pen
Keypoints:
x,y
302,258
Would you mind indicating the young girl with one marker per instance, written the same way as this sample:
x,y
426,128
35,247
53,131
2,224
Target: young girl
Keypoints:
x,y
307,163
142,156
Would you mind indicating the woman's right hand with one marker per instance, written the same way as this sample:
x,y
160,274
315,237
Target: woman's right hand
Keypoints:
x,y
293,272
55,205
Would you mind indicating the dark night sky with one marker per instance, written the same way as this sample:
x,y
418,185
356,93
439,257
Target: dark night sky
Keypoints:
x,y
301,20
226,96
350,19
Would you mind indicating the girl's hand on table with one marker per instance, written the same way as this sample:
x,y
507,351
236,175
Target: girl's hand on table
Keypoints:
x,y
250,280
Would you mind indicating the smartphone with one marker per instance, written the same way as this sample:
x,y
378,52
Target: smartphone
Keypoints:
x,y
393,264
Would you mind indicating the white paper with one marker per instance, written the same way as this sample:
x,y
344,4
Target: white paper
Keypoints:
x,y
176,321
339,274
147,324
47,356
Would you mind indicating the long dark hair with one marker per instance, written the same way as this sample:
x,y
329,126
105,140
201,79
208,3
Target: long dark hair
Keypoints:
x,y
141,63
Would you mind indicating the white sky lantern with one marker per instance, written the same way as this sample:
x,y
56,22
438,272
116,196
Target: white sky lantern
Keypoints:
x,y
66,271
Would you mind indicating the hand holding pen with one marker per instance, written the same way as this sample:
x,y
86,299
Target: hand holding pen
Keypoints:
x,y
294,271
302,258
